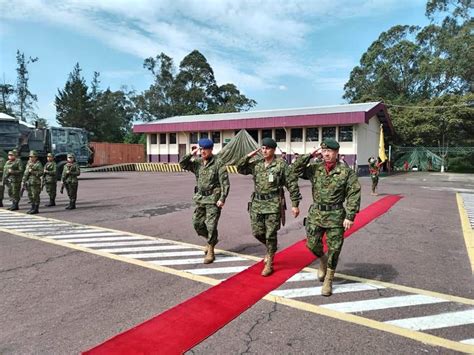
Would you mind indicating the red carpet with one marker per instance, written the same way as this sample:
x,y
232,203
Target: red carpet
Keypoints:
x,y
189,323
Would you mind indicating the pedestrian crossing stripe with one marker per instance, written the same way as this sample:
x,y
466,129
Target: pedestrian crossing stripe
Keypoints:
x,y
466,202
126,239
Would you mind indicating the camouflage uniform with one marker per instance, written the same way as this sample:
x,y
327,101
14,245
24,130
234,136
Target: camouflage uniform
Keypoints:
x,y
32,182
264,208
2,188
69,178
13,181
212,185
327,212
50,181
374,170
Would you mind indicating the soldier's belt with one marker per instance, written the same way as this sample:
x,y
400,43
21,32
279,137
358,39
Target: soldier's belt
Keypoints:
x,y
337,206
269,196
205,192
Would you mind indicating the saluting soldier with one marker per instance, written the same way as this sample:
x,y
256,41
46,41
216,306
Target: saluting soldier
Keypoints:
x,y
2,187
49,180
32,181
12,179
270,175
210,193
374,170
69,180
333,183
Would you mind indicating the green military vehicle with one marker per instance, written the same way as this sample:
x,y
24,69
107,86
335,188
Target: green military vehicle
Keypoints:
x,y
15,134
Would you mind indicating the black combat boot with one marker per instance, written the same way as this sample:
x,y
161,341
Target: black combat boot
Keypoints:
x,y
51,203
73,204
31,209
69,206
35,208
1,203
14,206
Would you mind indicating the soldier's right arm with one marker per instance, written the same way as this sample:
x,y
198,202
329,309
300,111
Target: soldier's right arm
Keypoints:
x,y
303,168
187,163
246,165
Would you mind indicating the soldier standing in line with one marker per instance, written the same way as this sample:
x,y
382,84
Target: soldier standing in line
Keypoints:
x,y
270,175
2,187
12,179
69,180
332,183
32,181
374,170
49,180
210,193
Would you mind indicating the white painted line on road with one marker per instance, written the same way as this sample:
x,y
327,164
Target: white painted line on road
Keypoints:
x,y
217,270
83,235
194,261
316,291
443,320
26,223
99,239
163,255
117,244
40,228
71,231
468,341
382,303
145,248
303,276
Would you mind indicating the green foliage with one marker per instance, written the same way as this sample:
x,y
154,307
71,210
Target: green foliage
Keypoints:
x,y
25,99
461,163
6,102
133,138
193,90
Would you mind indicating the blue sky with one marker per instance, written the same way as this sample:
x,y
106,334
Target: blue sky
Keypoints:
x,y
283,54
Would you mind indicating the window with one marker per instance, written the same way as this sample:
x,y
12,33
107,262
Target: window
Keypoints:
x,y
153,139
280,135
266,133
204,135
329,132
162,138
193,137
345,134
254,134
297,134
216,137
312,134
172,138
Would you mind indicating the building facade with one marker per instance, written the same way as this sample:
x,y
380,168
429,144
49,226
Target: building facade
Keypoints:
x,y
355,126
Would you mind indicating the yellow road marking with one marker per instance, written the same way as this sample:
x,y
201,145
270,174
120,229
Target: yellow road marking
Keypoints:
x,y
468,232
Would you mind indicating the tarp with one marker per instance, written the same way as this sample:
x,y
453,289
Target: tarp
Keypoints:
x,y
238,147
421,158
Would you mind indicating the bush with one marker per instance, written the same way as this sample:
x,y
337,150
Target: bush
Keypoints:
x,y
462,163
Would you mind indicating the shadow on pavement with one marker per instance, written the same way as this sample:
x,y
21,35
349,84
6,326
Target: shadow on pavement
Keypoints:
x,y
381,272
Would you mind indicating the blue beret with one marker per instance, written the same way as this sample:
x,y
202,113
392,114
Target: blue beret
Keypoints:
x,y
206,143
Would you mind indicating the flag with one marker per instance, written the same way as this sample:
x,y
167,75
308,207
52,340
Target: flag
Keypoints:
x,y
382,155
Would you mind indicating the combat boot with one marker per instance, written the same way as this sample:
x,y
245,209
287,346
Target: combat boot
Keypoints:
x,y
323,265
268,268
73,204
210,256
206,249
1,203
326,290
14,206
69,207
51,203
31,210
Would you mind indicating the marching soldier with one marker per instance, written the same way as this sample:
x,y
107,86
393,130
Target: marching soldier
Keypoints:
x,y
12,179
32,181
374,170
267,209
210,193
69,180
2,187
333,183
49,180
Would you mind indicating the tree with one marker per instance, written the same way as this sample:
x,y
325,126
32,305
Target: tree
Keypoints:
x,y
6,103
73,103
25,98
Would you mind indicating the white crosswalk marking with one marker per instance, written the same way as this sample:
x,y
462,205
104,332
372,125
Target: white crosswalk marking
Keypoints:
x,y
163,255
316,291
145,248
84,235
468,201
436,321
303,276
217,270
117,244
100,239
194,261
71,231
468,341
382,303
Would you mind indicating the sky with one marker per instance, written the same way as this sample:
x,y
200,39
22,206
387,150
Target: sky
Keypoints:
x,y
283,54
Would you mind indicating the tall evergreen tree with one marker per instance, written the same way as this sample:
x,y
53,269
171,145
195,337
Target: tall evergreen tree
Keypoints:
x,y
6,101
25,99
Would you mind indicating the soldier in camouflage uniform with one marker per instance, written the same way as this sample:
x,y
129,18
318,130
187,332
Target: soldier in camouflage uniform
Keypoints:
x,y
69,180
270,175
210,193
374,170
32,181
2,187
49,180
333,184
12,179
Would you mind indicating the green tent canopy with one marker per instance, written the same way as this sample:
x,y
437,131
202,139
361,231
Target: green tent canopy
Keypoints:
x,y
238,147
420,157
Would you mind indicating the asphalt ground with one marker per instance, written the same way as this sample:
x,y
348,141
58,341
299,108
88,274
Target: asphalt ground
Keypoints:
x,y
56,299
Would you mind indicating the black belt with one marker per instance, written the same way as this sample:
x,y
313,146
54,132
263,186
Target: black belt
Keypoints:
x,y
268,196
337,206
205,192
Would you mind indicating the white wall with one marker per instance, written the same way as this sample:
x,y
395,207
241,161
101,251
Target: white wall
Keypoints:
x,y
368,136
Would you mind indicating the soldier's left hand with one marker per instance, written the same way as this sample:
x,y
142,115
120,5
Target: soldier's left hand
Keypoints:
x,y
220,204
295,211
347,224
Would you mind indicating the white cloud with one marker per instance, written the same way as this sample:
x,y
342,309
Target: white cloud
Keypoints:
x,y
282,88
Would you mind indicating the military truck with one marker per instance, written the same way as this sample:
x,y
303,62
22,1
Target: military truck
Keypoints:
x,y
15,134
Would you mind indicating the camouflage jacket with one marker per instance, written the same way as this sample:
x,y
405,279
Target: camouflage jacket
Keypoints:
x,y
70,173
15,174
2,164
212,179
374,168
33,173
339,186
50,172
270,181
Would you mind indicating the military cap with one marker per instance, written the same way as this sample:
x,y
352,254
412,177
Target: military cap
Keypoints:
x,y
12,152
33,153
50,155
268,142
206,143
330,143
71,155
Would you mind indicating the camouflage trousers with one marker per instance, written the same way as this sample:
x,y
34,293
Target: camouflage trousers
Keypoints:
x,y
334,239
205,220
265,228
375,181
2,189
34,191
71,191
51,188
14,189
